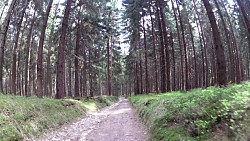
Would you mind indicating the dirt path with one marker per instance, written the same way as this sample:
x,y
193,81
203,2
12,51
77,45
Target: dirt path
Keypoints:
x,y
114,123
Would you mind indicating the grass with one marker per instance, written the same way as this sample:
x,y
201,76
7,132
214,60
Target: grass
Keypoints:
x,y
22,117
96,103
201,114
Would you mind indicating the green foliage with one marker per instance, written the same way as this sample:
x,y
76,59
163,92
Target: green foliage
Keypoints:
x,y
200,113
21,117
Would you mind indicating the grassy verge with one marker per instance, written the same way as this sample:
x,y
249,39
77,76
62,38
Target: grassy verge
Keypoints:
x,y
209,114
28,117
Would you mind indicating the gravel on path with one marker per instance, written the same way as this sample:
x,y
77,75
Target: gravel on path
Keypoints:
x,y
117,122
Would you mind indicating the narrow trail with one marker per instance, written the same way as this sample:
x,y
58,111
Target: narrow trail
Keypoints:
x,y
117,122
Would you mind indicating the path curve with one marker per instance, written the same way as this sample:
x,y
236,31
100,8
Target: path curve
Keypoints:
x,y
117,122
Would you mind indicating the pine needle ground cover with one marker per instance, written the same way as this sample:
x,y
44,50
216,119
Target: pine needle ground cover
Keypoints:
x,y
22,118
201,114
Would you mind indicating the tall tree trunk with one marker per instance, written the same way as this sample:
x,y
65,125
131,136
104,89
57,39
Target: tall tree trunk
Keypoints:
x,y
185,50
60,75
3,33
27,56
81,82
147,85
32,66
49,77
49,86
180,46
83,85
136,87
219,49
173,57
194,53
90,73
141,74
40,52
247,25
137,77
235,46
14,51
228,40
69,68
245,17
162,56
99,73
214,66
76,57
20,68
203,48
108,88
154,53
165,36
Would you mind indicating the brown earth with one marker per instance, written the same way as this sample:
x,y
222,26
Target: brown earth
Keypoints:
x,y
117,122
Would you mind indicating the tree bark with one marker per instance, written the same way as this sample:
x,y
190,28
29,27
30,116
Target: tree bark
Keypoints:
x,y
83,81
245,17
27,53
14,51
162,56
49,85
194,53
228,40
221,63
184,49
141,75
108,88
76,57
173,57
154,53
147,85
239,69
203,48
247,25
40,52
181,81
3,33
137,77
165,36
60,75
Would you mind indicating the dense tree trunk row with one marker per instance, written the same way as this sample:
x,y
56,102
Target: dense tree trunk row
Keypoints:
x,y
180,46
188,46
51,65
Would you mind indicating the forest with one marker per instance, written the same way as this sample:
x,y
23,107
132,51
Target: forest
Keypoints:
x,y
182,66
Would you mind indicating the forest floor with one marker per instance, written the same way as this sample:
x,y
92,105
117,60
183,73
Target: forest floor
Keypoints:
x,y
117,122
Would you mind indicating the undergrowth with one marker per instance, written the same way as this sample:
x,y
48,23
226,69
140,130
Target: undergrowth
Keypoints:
x,y
201,114
22,118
